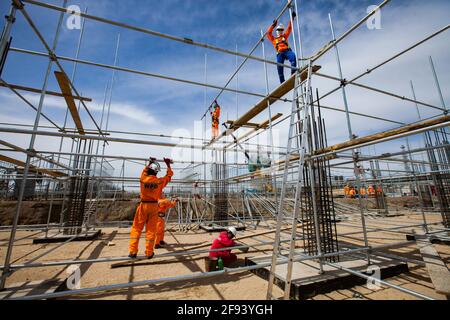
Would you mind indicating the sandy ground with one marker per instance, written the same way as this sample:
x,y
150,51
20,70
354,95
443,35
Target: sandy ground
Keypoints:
x,y
241,286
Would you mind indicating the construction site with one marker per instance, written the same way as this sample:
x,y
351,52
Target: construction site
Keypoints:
x,y
334,185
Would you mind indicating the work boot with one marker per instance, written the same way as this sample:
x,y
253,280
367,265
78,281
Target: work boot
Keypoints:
x,y
132,255
162,243
158,246
150,257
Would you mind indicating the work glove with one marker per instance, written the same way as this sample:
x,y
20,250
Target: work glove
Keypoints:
x,y
274,24
168,162
294,15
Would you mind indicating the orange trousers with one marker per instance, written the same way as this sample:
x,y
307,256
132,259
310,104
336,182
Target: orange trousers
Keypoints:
x,y
146,216
160,225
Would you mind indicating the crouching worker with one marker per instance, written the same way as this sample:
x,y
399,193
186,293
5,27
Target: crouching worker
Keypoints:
x,y
224,241
147,211
164,204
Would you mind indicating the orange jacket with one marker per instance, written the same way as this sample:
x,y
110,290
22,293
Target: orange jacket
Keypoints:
x,y
362,191
152,186
352,192
164,204
215,117
281,43
371,190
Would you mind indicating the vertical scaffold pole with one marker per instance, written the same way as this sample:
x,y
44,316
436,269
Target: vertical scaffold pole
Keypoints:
x,y
6,270
351,137
272,172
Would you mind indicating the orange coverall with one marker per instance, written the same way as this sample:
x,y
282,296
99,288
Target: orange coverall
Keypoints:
x,y
163,206
147,211
371,190
215,122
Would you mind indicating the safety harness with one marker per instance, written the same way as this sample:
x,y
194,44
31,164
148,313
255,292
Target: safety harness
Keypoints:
x,y
281,40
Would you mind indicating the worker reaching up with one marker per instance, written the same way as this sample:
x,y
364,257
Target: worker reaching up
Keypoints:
x,y
147,211
163,205
215,120
281,44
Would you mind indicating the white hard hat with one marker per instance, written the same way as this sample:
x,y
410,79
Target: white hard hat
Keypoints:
x,y
232,230
280,26
155,167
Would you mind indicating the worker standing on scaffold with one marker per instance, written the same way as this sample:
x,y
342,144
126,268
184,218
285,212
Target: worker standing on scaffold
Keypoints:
x,y
281,44
147,211
215,119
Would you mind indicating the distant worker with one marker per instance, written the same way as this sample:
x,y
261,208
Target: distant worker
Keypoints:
x,y
147,211
362,191
164,204
379,190
352,193
371,190
225,241
281,44
215,120
346,191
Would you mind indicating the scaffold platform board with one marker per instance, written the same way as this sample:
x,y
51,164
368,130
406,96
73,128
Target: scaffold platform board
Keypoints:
x,y
307,281
437,269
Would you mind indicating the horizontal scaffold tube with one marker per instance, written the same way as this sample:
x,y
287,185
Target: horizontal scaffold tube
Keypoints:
x,y
444,120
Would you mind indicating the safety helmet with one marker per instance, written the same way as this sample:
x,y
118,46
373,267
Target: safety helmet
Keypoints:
x,y
280,27
154,166
232,230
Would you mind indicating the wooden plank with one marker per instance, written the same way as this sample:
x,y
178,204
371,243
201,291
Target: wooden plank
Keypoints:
x,y
67,92
385,134
437,269
34,90
263,125
21,164
274,96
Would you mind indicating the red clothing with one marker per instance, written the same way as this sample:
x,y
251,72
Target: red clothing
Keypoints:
x,y
280,43
222,242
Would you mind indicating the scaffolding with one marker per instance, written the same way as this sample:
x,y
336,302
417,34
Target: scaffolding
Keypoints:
x,y
227,198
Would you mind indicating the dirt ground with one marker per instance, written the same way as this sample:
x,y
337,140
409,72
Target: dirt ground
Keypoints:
x,y
241,286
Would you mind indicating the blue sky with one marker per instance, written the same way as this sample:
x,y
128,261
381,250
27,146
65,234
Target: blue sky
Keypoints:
x,y
159,106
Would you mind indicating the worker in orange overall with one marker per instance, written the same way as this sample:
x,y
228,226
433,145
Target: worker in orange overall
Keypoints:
x,y
371,190
347,191
163,205
147,211
215,120
352,193
362,191
281,44
380,190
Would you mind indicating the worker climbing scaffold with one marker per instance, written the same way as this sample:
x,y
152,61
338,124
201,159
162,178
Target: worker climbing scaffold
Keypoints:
x,y
147,211
281,44
215,116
